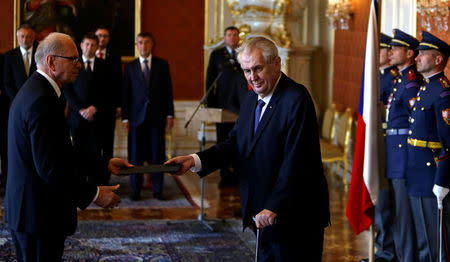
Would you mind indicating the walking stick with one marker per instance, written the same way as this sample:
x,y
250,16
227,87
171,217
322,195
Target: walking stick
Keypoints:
x,y
440,214
258,234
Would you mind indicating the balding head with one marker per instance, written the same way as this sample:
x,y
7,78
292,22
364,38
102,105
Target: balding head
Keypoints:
x,y
57,56
54,43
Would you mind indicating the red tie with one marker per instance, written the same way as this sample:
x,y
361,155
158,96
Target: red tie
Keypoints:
x,y
100,55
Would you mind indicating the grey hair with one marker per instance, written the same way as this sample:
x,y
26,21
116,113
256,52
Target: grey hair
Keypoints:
x,y
267,46
54,43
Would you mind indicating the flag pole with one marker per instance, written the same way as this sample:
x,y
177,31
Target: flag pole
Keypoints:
x,y
372,244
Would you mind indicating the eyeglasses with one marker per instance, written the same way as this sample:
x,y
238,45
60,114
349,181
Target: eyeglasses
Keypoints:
x,y
75,59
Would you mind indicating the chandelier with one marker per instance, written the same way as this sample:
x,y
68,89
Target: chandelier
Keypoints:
x,y
434,13
339,13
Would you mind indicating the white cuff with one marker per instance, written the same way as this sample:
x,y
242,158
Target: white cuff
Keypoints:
x,y
96,195
198,163
125,121
440,193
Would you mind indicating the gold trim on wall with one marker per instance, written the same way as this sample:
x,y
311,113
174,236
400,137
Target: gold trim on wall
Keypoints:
x,y
16,23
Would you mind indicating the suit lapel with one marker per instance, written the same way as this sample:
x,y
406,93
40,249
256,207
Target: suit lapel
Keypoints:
x,y
267,116
21,63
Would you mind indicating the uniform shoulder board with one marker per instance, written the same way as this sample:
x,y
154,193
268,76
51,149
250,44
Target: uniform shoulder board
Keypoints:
x,y
393,72
444,82
411,75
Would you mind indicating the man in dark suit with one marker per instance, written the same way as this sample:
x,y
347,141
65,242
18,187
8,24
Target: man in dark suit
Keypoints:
x,y
113,91
275,145
19,62
44,188
18,65
147,109
86,109
225,94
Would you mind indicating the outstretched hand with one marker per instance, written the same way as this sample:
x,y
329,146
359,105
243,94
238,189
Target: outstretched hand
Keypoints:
x,y
106,196
186,163
115,164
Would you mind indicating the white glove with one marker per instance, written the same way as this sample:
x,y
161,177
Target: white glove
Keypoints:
x,y
440,193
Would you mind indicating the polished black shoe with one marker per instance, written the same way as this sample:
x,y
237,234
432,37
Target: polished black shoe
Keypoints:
x,y
158,196
135,196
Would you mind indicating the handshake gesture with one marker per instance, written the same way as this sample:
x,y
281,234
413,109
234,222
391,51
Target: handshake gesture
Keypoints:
x,y
107,198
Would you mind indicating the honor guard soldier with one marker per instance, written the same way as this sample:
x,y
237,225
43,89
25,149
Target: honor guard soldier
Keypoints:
x,y
398,110
428,172
388,72
384,216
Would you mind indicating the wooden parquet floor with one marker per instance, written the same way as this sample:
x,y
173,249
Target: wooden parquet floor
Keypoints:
x,y
341,244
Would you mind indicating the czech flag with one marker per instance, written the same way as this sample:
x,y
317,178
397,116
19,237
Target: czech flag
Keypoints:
x,y
364,185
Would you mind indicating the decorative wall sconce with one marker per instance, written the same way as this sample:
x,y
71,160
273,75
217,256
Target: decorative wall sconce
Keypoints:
x,y
434,13
339,13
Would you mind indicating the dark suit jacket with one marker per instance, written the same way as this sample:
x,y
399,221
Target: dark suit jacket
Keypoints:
x,y
87,91
138,98
4,99
14,74
280,167
225,95
43,188
113,92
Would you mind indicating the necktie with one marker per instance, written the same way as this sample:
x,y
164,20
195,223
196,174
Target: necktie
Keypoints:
x,y
146,72
27,63
100,55
258,111
88,66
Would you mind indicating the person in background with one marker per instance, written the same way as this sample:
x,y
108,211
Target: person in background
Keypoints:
x,y
87,108
147,109
227,91
112,96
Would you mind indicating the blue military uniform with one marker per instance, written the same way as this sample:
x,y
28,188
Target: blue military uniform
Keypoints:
x,y
398,110
384,211
388,74
428,153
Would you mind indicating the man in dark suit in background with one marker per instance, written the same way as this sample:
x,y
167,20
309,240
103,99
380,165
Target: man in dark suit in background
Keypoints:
x,y
86,109
44,187
147,109
18,65
225,94
113,91
19,62
275,145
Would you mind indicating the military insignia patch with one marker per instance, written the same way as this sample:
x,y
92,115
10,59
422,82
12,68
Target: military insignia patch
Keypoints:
x,y
411,75
393,72
412,101
446,115
444,82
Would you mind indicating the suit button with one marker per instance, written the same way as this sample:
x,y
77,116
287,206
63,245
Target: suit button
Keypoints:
x,y
395,89
414,108
400,145
424,88
412,120
399,80
418,99
394,99
410,132
423,108
428,164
